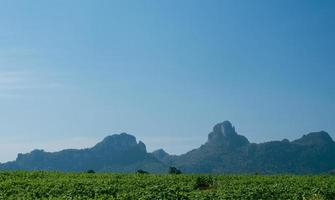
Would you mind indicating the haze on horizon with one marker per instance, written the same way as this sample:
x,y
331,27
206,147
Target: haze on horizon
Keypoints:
x,y
73,72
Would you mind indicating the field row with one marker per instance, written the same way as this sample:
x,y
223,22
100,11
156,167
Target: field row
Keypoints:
x,y
54,185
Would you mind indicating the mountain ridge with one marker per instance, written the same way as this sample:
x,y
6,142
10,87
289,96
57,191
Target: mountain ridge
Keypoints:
x,y
225,151
118,152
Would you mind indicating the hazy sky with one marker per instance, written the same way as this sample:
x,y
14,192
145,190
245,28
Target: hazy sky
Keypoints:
x,y
73,72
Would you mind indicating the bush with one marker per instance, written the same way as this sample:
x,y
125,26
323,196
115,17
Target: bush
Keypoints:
x,y
174,170
140,171
90,171
203,182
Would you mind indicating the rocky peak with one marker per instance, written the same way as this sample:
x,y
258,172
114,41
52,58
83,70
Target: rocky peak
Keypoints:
x,y
120,142
225,133
225,129
315,138
142,146
160,154
35,154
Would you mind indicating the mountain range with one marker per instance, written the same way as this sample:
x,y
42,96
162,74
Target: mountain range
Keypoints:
x,y
224,152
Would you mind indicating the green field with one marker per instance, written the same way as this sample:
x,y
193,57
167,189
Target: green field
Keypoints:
x,y
52,185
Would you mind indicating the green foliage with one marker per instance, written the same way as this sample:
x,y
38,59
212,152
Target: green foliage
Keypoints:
x,y
174,170
203,182
140,171
54,185
90,171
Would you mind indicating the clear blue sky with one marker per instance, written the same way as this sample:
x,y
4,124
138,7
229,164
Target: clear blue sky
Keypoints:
x,y
72,72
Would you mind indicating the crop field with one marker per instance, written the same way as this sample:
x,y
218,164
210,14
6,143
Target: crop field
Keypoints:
x,y
54,185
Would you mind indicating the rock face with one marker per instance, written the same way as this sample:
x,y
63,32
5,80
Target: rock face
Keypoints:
x,y
224,152
121,142
224,134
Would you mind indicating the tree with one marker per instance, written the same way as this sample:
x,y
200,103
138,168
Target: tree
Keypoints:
x,y
174,170
140,171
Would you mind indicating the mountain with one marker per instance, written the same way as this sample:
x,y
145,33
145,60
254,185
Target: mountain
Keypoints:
x,y
224,152
160,154
227,152
117,153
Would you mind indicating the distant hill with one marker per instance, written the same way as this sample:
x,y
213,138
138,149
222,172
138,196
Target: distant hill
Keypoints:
x,y
224,152
160,154
227,152
117,153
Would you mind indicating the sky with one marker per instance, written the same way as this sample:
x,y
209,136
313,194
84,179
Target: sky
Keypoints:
x,y
73,72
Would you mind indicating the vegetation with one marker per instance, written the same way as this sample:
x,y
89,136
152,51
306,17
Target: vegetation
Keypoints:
x,y
90,171
174,170
204,182
140,171
54,185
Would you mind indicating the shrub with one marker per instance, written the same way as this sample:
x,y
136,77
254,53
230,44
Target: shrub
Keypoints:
x,y
174,170
140,171
203,182
91,171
